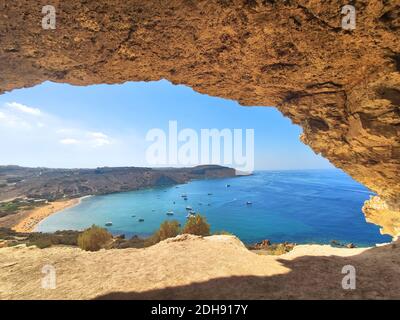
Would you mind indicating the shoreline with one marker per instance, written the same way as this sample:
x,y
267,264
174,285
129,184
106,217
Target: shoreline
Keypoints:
x,y
32,218
35,216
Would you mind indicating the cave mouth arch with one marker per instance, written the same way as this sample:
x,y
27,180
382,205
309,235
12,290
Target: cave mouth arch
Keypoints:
x,y
340,86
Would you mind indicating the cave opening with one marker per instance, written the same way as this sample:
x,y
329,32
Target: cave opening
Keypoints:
x,y
293,194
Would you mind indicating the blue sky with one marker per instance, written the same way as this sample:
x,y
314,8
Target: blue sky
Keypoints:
x,y
59,125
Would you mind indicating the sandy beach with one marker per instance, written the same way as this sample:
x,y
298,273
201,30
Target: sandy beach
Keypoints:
x,y
33,217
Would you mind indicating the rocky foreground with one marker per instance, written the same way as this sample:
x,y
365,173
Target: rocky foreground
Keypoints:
x,y
191,267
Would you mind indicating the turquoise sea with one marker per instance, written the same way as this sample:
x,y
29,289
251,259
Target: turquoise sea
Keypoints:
x,y
303,206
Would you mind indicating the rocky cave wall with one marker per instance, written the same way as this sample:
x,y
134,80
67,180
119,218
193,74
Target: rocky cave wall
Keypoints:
x,y
341,86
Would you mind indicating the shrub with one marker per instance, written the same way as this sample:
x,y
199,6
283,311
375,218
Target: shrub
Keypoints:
x,y
134,242
66,237
197,225
42,243
94,238
168,229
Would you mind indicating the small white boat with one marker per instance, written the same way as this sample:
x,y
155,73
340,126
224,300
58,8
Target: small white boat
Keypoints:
x,y
108,224
170,213
189,208
249,203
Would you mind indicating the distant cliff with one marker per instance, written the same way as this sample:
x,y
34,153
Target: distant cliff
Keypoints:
x,y
52,184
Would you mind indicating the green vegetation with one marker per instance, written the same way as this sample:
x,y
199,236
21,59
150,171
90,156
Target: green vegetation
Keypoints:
x,y
14,206
197,225
94,238
67,238
7,208
168,229
134,242
41,240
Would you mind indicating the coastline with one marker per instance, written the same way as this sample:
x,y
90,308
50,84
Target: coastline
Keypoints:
x,y
32,219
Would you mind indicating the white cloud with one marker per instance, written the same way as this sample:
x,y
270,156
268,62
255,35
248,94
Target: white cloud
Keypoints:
x,y
23,108
100,142
98,139
23,118
59,142
98,135
69,141
9,120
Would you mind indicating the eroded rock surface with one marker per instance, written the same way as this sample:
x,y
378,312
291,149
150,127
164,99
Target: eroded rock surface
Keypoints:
x,y
342,87
220,267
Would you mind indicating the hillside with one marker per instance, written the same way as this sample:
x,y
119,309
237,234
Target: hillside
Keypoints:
x,y
53,184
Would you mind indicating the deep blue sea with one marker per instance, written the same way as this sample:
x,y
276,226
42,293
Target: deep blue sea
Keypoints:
x,y
304,206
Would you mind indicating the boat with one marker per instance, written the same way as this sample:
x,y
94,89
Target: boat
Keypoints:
x,y
170,213
141,220
189,215
228,185
108,224
189,208
210,194
133,216
249,202
185,199
192,212
184,195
